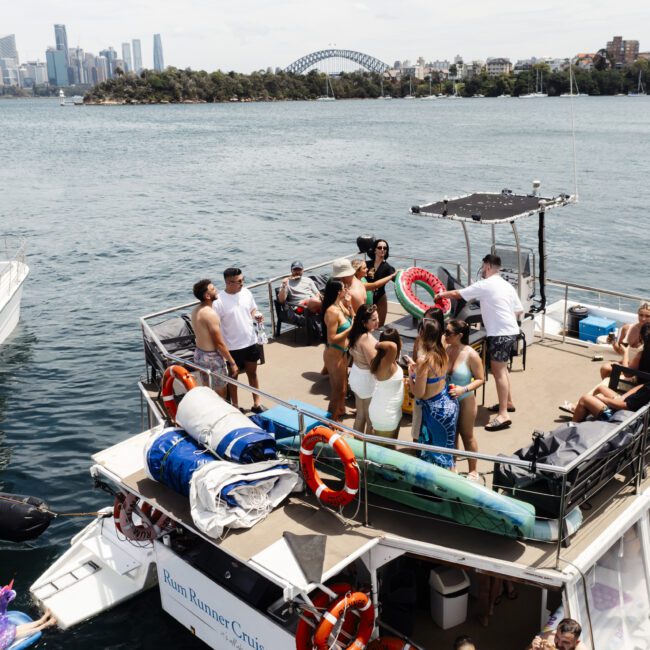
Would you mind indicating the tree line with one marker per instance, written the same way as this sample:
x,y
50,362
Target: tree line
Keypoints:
x,y
174,85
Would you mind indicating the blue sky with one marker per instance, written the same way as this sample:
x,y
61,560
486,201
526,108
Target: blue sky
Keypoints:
x,y
248,35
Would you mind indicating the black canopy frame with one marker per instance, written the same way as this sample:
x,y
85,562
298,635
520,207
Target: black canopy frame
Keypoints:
x,y
497,208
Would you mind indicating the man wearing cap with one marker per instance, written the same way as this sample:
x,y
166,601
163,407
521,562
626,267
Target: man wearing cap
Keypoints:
x,y
300,292
343,270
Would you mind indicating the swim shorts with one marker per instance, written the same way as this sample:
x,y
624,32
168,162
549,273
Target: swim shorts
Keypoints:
x,y
214,362
500,347
251,354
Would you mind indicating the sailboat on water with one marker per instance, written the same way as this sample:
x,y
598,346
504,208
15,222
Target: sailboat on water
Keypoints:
x,y
640,90
573,83
430,95
539,87
327,97
382,96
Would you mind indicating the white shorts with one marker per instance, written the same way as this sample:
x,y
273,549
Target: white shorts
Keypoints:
x,y
362,382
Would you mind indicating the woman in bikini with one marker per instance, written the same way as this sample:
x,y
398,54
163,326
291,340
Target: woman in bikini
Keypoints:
x,y
362,290
378,270
466,374
427,379
337,317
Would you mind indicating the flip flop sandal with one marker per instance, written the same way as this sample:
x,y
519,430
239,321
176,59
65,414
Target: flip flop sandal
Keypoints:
x,y
495,408
497,425
567,407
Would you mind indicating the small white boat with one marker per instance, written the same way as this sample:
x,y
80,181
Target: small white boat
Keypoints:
x,y
13,273
77,100
640,90
61,97
327,97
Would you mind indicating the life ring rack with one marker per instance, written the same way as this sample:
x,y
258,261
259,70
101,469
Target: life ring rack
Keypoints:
x,y
327,495
357,601
173,373
414,275
321,601
153,522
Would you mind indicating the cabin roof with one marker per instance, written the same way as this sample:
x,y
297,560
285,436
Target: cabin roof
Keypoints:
x,y
490,207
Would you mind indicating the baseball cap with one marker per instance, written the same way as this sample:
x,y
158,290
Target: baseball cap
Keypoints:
x,y
297,265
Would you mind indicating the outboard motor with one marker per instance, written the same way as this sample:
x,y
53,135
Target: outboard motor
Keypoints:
x,y
365,243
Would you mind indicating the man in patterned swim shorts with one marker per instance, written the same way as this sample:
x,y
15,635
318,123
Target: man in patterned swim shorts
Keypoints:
x,y
500,309
211,352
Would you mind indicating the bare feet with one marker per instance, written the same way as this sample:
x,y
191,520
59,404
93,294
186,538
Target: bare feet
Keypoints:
x,y
27,629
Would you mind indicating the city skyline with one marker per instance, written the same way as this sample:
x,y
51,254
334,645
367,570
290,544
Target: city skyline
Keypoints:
x,y
256,33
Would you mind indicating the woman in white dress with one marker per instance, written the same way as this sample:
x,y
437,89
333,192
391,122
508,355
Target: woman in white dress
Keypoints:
x,y
385,410
362,350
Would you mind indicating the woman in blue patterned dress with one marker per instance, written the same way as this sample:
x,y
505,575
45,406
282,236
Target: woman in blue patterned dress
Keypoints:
x,y
427,378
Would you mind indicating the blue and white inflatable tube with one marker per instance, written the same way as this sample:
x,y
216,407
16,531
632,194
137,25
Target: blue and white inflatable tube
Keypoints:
x,y
17,618
219,426
172,457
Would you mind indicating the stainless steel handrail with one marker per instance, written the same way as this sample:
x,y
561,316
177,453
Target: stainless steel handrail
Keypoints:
x,y
584,287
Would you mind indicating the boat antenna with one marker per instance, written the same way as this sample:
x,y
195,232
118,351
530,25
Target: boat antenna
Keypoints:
x,y
573,130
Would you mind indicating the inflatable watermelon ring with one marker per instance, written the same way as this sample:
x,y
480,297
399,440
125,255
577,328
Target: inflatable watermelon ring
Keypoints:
x,y
414,275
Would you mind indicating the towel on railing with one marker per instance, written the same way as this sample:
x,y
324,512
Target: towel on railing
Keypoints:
x,y
214,423
229,495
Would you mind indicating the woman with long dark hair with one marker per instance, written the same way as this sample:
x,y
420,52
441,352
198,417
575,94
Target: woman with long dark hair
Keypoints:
x,y
465,375
427,378
378,270
362,350
337,318
385,410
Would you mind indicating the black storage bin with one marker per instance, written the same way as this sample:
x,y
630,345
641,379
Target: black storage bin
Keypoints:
x,y
575,315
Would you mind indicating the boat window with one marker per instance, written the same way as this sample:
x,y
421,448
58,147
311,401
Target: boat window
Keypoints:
x,y
617,594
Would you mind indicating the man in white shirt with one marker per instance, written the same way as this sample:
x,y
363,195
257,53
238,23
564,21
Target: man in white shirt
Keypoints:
x,y
237,310
300,292
500,309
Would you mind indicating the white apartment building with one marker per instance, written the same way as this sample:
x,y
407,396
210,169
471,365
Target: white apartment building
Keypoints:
x,y
498,66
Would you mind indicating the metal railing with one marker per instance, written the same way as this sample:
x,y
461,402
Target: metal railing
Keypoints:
x,y
567,491
605,298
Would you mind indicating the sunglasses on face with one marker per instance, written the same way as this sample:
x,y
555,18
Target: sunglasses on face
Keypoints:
x,y
381,248
450,333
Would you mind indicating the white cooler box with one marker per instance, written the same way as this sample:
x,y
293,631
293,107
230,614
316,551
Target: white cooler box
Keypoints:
x,y
449,590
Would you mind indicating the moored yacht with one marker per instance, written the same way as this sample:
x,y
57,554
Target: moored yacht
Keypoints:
x,y
13,273
344,565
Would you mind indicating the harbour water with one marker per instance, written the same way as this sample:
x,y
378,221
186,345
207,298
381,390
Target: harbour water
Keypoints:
x,y
125,207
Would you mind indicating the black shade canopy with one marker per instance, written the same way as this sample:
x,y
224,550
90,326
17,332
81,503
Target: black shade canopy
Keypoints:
x,y
490,208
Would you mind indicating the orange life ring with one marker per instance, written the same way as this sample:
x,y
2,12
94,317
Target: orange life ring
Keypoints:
x,y
154,523
390,643
322,600
172,373
325,494
356,601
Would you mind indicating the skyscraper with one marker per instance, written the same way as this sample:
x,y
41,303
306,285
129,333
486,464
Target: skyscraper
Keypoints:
x,y
61,37
8,47
137,56
126,57
57,69
111,56
158,61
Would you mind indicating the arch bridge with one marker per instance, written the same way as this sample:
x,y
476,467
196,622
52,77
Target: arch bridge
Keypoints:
x,y
368,62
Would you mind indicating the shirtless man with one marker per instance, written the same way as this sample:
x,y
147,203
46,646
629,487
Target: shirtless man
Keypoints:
x,y
211,351
359,289
629,337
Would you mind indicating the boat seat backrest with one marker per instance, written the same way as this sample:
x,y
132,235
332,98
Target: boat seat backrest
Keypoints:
x,y
177,335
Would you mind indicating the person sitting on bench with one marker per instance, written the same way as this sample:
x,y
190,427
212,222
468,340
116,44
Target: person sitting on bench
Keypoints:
x,y
299,292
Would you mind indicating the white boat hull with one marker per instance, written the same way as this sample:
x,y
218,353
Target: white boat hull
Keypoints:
x,y
12,277
97,573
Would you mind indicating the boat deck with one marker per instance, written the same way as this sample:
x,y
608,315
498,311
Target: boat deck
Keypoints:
x,y
555,372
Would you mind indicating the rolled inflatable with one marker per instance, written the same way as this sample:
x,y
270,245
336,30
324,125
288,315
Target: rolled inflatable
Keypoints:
x,y
172,457
422,485
215,424
414,275
23,517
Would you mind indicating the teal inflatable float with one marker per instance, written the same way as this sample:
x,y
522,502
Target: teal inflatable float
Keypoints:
x,y
406,479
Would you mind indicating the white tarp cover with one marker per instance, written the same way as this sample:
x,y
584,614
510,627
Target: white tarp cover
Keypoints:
x,y
230,495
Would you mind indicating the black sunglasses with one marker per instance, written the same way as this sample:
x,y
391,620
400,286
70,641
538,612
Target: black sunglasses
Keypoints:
x,y
450,333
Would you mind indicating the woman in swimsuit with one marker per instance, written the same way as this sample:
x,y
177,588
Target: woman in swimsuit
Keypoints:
x,y
363,351
385,410
629,337
337,316
378,270
427,381
362,290
466,374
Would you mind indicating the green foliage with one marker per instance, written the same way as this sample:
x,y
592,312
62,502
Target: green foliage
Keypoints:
x,y
174,85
